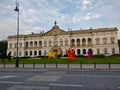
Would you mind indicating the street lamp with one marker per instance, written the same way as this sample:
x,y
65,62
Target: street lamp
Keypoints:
x,y
70,32
17,10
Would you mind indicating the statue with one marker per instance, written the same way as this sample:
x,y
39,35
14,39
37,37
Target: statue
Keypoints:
x,y
71,55
52,54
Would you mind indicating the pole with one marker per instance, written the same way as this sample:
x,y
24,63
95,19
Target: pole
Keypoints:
x,y
17,61
17,10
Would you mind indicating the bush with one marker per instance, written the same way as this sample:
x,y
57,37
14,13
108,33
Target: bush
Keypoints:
x,y
99,56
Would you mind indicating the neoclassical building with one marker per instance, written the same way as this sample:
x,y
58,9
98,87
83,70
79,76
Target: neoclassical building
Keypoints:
x,y
101,41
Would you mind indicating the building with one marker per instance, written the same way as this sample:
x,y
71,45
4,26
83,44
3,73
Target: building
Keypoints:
x,y
100,41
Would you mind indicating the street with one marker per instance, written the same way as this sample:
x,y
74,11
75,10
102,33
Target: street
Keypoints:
x,y
34,79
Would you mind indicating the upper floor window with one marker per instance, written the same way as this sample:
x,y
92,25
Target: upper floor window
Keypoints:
x,y
89,41
97,41
78,42
66,42
112,40
104,40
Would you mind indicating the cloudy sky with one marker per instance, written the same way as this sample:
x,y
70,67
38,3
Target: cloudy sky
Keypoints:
x,y
39,15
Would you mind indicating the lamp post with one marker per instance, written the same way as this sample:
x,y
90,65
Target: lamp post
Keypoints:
x,y
70,31
17,10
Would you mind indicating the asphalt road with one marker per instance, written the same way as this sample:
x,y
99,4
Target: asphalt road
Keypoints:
x,y
59,80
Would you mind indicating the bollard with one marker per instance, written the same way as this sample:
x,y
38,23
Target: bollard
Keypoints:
x,y
81,65
56,64
33,65
44,64
94,65
4,64
68,64
109,65
23,64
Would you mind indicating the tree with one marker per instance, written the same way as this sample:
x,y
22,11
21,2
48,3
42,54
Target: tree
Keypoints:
x,y
3,49
119,44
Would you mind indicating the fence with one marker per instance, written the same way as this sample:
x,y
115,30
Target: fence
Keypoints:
x,y
62,66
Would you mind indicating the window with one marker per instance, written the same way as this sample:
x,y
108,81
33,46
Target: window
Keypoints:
x,y
45,43
26,53
66,42
104,40
98,51
39,53
40,43
97,41
89,41
10,45
35,52
61,42
50,43
73,42
26,45
112,40
35,44
105,50
83,42
78,42
30,53
113,50
31,44
78,51
84,51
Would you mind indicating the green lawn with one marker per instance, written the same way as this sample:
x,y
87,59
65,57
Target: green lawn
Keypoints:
x,y
84,60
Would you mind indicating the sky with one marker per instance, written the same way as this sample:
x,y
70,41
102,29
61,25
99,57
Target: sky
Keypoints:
x,y
39,15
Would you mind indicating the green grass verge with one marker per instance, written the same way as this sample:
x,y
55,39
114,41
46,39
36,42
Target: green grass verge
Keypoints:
x,y
84,60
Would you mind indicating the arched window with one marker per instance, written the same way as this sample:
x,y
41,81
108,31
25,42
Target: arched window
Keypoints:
x,y
84,51
73,42
89,41
35,44
26,45
78,51
78,42
40,43
83,42
31,44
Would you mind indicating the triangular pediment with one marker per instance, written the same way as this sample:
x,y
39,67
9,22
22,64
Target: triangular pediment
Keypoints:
x,y
56,31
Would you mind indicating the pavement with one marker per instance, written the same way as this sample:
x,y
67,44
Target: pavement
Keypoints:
x,y
43,79
63,66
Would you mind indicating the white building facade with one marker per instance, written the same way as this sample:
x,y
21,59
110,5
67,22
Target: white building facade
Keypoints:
x,y
100,41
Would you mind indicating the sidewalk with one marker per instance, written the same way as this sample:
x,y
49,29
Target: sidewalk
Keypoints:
x,y
63,66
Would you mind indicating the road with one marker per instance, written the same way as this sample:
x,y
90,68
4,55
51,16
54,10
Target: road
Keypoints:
x,y
15,79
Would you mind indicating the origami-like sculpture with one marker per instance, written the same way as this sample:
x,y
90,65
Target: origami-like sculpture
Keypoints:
x,y
71,55
52,54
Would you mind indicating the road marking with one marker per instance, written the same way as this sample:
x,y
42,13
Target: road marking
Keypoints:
x,y
11,82
67,85
92,76
9,76
118,87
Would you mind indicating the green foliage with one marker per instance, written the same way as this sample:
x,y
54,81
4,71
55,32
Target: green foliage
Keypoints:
x,y
64,60
3,48
99,56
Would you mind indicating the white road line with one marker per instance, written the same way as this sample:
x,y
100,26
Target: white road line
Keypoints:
x,y
92,76
8,76
66,85
118,87
9,82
